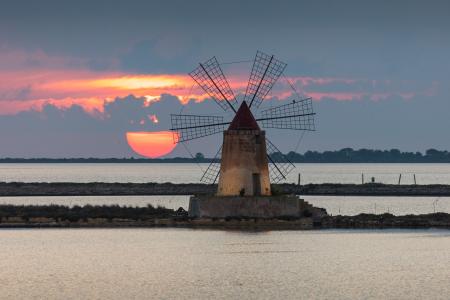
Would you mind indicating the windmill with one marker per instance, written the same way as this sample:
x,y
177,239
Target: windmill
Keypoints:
x,y
246,166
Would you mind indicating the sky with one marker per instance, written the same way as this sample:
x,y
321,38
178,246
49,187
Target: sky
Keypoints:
x,y
88,78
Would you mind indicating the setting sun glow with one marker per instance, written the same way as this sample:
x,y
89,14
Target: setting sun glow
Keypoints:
x,y
151,144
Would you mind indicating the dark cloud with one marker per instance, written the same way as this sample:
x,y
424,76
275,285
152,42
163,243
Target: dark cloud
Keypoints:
x,y
164,54
370,39
74,133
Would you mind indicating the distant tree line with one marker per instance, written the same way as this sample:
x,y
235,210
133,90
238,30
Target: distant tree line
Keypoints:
x,y
349,155
346,155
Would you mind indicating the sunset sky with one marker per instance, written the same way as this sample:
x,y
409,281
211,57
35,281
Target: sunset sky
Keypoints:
x,y
84,78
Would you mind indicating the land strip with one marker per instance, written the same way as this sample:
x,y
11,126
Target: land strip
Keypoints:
x,y
115,189
114,216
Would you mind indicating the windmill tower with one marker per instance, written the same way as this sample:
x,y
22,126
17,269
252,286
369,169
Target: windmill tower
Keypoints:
x,y
249,162
244,168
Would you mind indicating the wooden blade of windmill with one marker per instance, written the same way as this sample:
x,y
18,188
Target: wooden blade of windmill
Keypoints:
x,y
189,127
280,166
210,78
265,72
211,174
296,115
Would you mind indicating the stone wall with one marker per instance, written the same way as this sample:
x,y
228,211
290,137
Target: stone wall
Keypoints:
x,y
252,207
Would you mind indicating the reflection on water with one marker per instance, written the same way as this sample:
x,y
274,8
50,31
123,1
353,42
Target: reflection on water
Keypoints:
x,y
333,204
191,173
205,264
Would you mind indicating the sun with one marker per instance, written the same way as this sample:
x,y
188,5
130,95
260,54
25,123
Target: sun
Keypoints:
x,y
151,144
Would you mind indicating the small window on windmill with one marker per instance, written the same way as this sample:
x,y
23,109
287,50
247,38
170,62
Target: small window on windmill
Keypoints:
x,y
258,139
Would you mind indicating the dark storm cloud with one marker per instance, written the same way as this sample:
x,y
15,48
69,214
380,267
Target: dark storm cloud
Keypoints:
x,y
72,132
360,124
321,38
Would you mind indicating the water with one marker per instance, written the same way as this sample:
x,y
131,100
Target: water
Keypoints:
x,y
353,205
333,204
205,264
191,173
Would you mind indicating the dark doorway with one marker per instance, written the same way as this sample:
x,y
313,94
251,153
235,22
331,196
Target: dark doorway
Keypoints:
x,y
256,184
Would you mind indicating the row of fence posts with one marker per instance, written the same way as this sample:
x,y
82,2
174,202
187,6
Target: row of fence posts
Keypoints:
x,y
399,178
362,179
435,202
372,180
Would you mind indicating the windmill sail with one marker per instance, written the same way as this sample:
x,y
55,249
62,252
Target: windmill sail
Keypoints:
x,y
189,127
280,166
265,72
297,115
210,77
212,172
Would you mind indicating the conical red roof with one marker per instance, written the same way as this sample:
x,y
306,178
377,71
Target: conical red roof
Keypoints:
x,y
243,120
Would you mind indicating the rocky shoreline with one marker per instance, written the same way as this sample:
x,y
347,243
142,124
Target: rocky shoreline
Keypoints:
x,y
110,189
88,216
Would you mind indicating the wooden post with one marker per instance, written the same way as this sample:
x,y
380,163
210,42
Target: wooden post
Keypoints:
x,y
434,204
362,178
399,178
299,178
415,179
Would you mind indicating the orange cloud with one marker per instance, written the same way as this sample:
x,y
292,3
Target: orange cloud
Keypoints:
x,y
54,80
24,90
153,118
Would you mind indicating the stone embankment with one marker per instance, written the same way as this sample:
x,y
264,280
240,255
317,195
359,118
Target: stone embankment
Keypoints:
x,y
88,216
105,189
384,221
368,189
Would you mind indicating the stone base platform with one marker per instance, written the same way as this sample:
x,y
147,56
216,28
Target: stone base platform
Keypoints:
x,y
203,206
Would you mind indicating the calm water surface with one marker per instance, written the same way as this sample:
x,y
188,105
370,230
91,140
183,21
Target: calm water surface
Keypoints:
x,y
334,205
186,173
203,264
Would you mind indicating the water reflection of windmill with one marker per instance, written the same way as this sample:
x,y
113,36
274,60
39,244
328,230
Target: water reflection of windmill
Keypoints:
x,y
246,152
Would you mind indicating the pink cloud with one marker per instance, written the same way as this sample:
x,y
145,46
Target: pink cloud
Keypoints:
x,y
29,80
345,96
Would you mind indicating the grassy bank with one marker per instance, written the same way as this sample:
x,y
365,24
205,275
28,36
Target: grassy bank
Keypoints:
x,y
89,216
